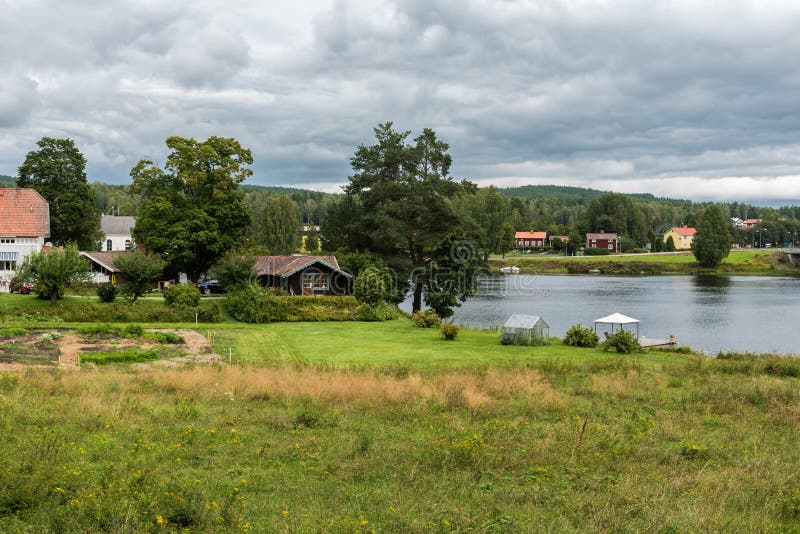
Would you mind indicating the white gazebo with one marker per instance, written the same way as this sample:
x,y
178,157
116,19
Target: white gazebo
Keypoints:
x,y
619,320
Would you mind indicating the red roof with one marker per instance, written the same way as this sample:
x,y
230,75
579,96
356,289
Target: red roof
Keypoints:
x,y
531,235
751,221
685,231
286,265
23,213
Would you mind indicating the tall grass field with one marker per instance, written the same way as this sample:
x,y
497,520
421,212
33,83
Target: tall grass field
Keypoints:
x,y
306,435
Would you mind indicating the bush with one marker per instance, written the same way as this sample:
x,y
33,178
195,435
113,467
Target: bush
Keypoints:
x,y
382,311
208,314
107,292
449,331
255,305
185,295
371,286
622,341
594,251
133,330
168,338
426,319
638,251
578,336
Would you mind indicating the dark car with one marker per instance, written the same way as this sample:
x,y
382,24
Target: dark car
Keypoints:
x,y
208,286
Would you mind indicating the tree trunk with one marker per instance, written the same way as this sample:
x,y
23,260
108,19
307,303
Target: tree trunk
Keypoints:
x,y
53,296
417,304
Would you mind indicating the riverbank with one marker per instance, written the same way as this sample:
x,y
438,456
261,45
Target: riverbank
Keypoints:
x,y
747,262
387,427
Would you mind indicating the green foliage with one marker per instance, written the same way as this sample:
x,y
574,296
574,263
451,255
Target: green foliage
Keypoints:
x,y
133,330
426,319
713,240
182,295
57,170
401,194
380,311
276,226
578,336
167,338
622,341
250,304
449,331
54,270
669,245
192,213
107,292
594,251
12,332
138,271
131,355
234,270
371,286
143,311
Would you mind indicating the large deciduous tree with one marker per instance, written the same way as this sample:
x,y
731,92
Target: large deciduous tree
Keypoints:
x,y
277,225
713,240
404,194
192,211
58,172
53,270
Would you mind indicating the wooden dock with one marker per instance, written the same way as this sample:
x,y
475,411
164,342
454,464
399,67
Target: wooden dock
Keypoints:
x,y
646,342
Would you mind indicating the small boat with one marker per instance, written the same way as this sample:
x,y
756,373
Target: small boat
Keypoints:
x,y
509,270
594,271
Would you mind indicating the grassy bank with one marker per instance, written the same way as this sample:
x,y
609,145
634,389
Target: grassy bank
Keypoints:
x,y
760,263
579,441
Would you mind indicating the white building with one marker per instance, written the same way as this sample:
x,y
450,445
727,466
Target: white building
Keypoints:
x,y
24,228
118,233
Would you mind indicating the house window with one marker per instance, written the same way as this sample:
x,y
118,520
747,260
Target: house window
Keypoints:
x,y
109,246
611,246
8,265
127,244
315,282
8,240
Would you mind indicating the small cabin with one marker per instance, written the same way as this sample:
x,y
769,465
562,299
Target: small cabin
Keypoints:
x,y
523,329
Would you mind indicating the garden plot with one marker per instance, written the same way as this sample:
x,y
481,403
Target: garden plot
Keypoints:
x,y
103,344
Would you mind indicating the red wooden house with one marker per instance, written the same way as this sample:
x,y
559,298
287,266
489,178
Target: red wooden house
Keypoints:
x,y
530,239
603,240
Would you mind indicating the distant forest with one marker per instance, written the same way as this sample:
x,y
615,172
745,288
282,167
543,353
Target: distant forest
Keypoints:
x,y
558,210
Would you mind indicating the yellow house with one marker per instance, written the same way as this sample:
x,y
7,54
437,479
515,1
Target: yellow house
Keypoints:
x,y
682,237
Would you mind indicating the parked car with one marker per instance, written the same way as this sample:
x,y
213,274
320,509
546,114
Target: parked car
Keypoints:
x,y
24,288
208,286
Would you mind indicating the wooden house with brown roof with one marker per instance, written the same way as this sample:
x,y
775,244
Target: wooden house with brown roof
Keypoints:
x,y
24,228
304,275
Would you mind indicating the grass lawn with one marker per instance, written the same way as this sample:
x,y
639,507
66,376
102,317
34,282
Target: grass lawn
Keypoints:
x,y
391,344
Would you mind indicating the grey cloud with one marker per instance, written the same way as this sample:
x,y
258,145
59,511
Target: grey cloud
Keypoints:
x,y
18,99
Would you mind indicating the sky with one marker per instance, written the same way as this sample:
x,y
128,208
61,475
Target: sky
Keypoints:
x,y
690,99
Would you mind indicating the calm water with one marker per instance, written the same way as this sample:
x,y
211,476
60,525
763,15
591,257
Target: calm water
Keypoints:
x,y
712,313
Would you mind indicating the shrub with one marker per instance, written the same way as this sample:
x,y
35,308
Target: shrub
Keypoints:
x,y
381,311
102,329
426,319
209,314
185,295
622,341
594,251
255,305
134,330
578,336
170,338
370,286
107,292
638,251
449,331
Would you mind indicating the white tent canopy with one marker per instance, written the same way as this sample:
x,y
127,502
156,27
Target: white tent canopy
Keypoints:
x,y
617,319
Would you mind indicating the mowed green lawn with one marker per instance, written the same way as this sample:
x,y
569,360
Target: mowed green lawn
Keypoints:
x,y
392,343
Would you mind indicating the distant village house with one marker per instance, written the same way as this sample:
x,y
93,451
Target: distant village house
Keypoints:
x,y
603,240
682,237
530,239
24,228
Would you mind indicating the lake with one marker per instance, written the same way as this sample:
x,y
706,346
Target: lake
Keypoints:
x,y
743,313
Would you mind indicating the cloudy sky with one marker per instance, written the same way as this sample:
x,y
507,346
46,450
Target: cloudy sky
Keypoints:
x,y
636,96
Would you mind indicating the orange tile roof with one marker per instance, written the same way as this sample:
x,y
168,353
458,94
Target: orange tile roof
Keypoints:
x,y
531,235
685,231
23,213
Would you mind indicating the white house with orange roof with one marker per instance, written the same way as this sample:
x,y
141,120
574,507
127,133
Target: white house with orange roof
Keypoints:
x,y
530,239
24,228
682,237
